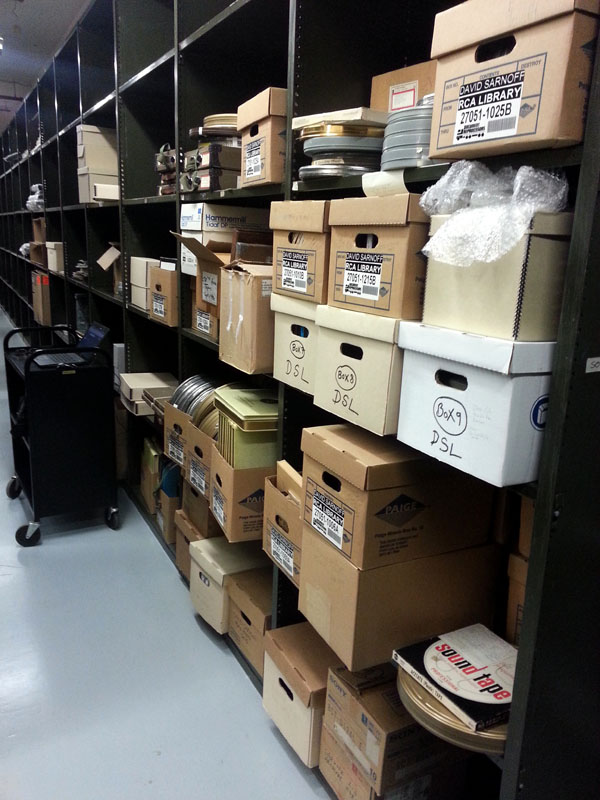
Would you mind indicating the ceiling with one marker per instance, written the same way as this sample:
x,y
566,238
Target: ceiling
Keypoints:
x,y
33,30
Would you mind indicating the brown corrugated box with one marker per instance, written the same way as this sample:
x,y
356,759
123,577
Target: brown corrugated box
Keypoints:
x,y
164,298
402,88
517,575
198,447
250,597
282,525
195,507
262,121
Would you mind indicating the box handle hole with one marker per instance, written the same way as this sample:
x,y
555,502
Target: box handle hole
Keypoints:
x,y
286,689
219,481
193,491
351,350
282,523
295,237
158,287
245,618
368,241
253,130
198,452
451,379
300,331
331,481
178,429
496,49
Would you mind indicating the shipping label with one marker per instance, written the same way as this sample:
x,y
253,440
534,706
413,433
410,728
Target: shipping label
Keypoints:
x,y
218,507
266,287
210,288
158,305
328,518
198,476
282,551
403,95
253,159
203,321
364,278
175,452
296,269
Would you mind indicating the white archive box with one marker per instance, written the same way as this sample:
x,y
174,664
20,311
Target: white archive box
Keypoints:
x,y
55,255
140,297
475,402
295,342
86,179
359,368
212,560
139,270
97,148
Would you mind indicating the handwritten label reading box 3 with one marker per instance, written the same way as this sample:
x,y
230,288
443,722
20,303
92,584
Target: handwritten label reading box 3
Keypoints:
x,y
375,246
475,402
379,502
508,82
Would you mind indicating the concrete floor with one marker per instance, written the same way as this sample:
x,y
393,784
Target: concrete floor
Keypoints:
x,y
110,688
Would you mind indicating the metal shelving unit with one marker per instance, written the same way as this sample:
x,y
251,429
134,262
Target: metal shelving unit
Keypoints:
x,y
177,71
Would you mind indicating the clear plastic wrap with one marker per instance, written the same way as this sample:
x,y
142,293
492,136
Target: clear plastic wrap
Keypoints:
x,y
35,201
24,249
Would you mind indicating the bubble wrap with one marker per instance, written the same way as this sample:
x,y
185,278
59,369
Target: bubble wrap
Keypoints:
x,y
494,219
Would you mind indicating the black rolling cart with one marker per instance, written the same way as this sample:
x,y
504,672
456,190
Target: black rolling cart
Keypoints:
x,y
62,428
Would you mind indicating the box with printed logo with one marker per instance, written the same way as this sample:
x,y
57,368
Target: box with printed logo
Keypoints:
x,y
379,502
282,528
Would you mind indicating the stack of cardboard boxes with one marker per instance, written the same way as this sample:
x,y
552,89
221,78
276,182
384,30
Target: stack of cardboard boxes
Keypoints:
x,y
40,296
97,164
37,247
139,280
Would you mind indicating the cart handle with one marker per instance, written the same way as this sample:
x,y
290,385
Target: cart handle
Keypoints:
x,y
68,328
80,350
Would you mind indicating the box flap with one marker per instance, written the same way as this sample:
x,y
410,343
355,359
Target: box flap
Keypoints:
x,y
218,558
367,678
293,307
368,116
271,102
362,458
475,21
147,380
243,267
383,329
517,568
53,245
108,258
310,216
201,251
541,224
498,355
252,592
303,659
289,481
395,209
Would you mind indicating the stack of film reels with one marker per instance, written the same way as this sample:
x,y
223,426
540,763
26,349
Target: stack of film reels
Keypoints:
x,y
195,396
340,150
165,163
407,135
215,163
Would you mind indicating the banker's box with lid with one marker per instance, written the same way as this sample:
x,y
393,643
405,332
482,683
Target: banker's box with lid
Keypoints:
x,y
375,265
213,560
517,297
282,525
511,76
475,402
301,249
261,121
296,342
378,502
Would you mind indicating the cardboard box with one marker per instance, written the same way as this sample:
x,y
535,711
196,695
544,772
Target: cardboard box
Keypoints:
x,y
511,76
197,458
207,269
402,88
237,498
420,597
133,384
246,322
165,515
518,297
151,454
364,713
140,297
387,277
149,483
301,249
526,526
517,581
97,148
175,432
296,342
282,528
185,534
250,597
380,503
477,403
111,259
139,408
38,253
213,562
139,270
87,179
262,121
38,225
294,684
55,257
40,292
357,352
164,305
195,507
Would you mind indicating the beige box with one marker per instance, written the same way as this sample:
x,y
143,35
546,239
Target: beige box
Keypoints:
x,y
358,352
402,88
379,502
511,76
38,253
296,342
139,408
106,191
55,257
526,526
165,515
301,248
197,458
176,423
237,498
375,263
250,598
517,297
213,562
195,507
420,597
517,581
87,179
140,297
40,290
164,298
97,148
38,225
139,270
133,384
185,534
262,121
294,684
246,322
282,526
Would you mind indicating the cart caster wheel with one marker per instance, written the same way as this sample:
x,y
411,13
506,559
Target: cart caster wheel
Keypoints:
x,y
28,536
112,518
13,488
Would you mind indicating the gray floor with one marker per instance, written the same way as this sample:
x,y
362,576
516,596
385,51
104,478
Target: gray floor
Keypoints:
x,y
110,689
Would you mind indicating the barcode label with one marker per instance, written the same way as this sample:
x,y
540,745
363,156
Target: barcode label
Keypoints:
x,y
294,270
488,108
328,518
370,290
203,321
252,159
175,450
282,551
362,274
218,506
197,476
158,304
501,124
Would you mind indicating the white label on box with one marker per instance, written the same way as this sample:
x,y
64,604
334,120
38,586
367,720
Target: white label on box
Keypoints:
x,y
267,287
489,108
175,450
205,182
203,321
282,551
362,275
197,476
158,304
294,270
419,789
403,95
252,166
210,286
218,508
593,364
204,159
328,518
372,747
